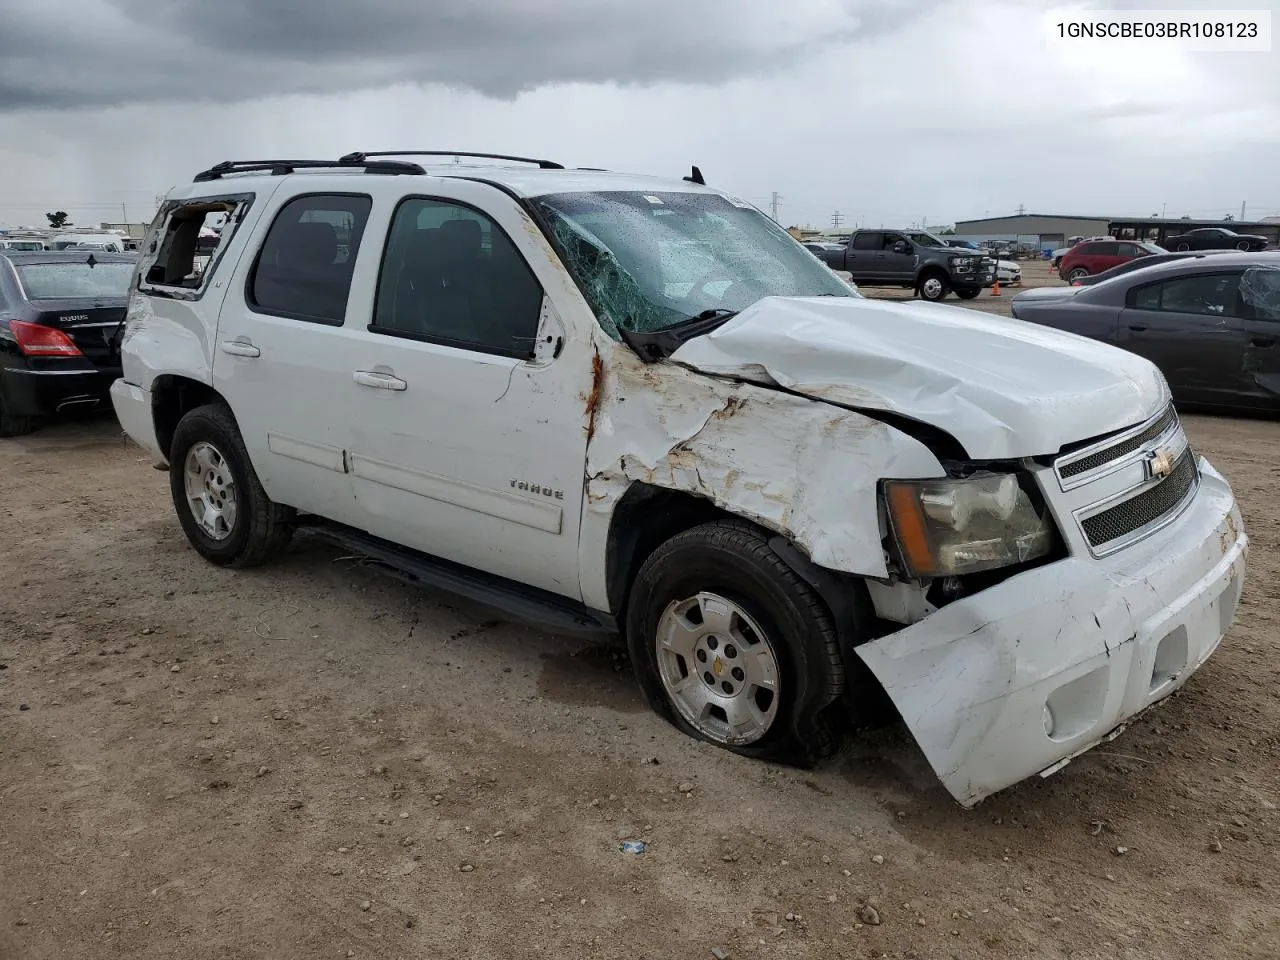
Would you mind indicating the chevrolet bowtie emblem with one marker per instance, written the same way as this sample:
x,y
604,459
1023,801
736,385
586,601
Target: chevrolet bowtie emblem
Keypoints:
x,y
717,666
1160,463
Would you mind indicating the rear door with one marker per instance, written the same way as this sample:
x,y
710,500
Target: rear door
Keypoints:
x,y
282,355
1189,327
864,259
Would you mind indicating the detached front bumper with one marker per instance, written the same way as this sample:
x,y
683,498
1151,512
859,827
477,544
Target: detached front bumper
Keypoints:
x,y
1022,677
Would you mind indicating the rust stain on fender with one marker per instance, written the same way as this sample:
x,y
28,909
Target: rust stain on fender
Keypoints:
x,y
593,398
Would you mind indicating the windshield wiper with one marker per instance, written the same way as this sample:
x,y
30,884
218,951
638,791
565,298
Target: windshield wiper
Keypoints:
x,y
659,344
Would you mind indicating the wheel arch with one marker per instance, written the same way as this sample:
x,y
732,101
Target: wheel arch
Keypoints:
x,y
172,397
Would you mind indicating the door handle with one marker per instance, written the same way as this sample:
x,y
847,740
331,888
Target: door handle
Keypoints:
x,y
379,381
1262,342
239,348
1138,327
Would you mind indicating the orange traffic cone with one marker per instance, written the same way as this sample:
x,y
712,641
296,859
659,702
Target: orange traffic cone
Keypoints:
x,y
995,287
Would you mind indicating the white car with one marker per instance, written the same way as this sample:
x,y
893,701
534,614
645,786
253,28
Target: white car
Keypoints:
x,y
623,403
1008,271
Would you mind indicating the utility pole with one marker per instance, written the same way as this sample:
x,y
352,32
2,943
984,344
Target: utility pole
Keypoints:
x,y
1162,209
836,217
1242,209
1021,210
773,206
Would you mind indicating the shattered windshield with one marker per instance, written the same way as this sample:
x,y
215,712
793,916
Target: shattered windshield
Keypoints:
x,y
647,262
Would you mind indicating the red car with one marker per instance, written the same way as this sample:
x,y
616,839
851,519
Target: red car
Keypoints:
x,y
1094,256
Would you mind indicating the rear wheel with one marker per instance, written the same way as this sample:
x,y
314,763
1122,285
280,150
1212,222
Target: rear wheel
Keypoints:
x,y
13,426
732,647
1182,247
968,293
221,504
1077,273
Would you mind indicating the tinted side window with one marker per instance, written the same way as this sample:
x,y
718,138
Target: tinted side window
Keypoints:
x,y
451,275
1210,294
890,239
866,241
1106,249
1131,250
304,268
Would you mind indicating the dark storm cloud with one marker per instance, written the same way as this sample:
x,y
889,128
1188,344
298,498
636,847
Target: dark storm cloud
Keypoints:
x,y
72,54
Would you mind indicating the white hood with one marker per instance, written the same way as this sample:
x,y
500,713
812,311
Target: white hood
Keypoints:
x,y
1001,387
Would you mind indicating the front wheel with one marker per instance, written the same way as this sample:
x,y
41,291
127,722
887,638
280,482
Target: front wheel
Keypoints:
x,y
221,504
1243,245
1182,247
732,647
968,293
932,287
1079,273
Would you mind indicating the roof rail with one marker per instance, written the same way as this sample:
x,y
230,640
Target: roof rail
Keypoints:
x,y
278,168
359,157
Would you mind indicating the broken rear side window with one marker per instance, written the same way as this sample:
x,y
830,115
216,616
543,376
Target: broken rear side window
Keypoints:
x,y
186,242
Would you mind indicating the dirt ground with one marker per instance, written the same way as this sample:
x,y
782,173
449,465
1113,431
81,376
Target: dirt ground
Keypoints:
x,y
314,760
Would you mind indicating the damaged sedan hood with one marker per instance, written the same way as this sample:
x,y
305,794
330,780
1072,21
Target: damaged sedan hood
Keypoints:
x,y
1003,389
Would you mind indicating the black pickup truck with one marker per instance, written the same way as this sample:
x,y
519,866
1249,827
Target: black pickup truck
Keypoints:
x,y
913,259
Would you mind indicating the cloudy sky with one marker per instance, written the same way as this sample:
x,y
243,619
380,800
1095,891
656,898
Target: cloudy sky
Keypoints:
x,y
891,111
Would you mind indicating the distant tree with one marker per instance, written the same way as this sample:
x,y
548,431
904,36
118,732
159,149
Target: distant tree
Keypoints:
x,y
1228,217
58,220
949,232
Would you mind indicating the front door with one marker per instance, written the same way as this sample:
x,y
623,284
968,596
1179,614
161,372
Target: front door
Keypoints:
x,y
1188,327
897,267
465,392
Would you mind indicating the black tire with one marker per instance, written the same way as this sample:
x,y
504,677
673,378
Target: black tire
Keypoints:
x,y
1182,248
925,289
11,426
968,293
733,559
261,528
1243,245
1076,273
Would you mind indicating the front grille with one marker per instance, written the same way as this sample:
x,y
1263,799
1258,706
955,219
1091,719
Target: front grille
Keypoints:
x,y
1121,449
1144,509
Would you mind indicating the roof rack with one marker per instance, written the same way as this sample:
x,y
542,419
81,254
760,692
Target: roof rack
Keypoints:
x,y
278,168
360,157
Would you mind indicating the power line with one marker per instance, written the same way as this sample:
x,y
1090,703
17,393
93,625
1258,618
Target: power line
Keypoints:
x,y
773,206
836,217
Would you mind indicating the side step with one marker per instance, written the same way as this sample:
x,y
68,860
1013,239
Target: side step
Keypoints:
x,y
529,604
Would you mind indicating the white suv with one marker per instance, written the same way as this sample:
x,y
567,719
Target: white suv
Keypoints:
x,y
624,403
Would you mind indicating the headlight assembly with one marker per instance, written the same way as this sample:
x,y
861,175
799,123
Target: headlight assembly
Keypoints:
x,y
947,528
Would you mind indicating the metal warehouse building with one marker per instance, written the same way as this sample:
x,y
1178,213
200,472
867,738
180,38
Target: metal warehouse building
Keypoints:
x,y
1052,230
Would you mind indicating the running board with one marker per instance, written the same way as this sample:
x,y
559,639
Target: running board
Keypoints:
x,y
529,604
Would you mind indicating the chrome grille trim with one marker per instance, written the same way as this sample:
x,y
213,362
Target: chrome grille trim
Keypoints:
x,y
1117,451
1120,521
